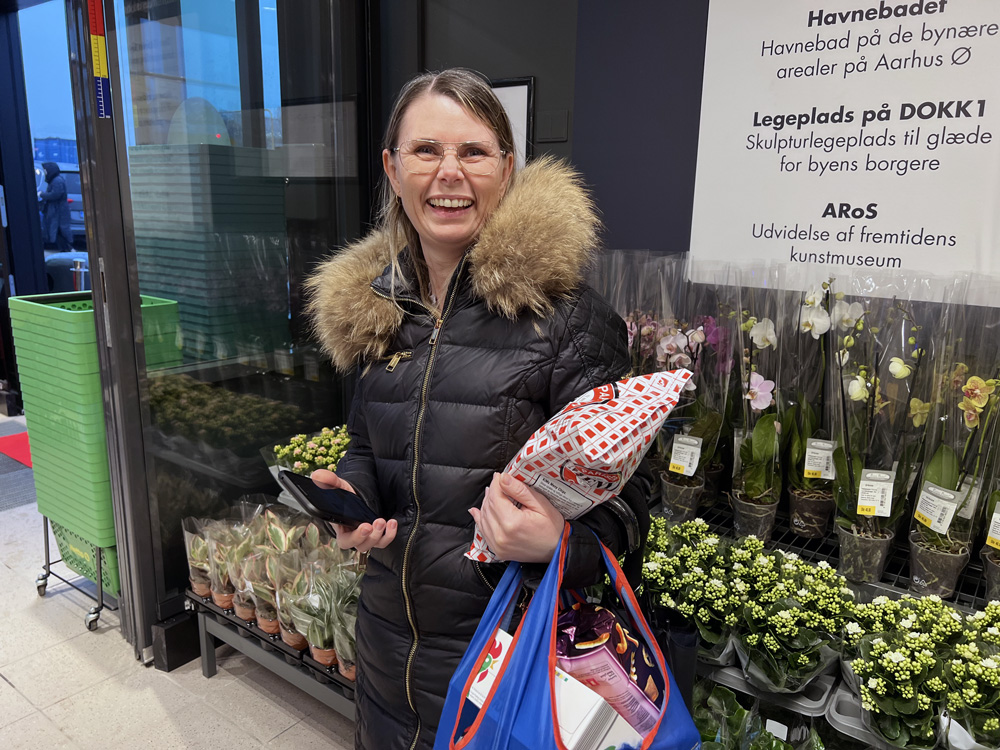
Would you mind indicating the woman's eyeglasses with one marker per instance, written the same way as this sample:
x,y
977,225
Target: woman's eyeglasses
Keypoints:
x,y
424,157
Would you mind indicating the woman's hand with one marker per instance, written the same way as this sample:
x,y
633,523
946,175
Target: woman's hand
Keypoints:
x,y
529,533
365,537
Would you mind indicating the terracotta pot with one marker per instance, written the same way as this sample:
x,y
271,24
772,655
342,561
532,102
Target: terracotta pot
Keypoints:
x,y
271,627
201,588
809,512
295,640
224,601
991,567
863,558
347,670
680,495
753,518
245,611
935,571
325,656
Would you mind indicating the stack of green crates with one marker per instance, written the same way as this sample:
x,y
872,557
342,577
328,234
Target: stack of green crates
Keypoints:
x,y
56,345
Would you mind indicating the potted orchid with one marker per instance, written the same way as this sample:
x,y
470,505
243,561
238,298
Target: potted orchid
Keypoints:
x,y
960,448
806,446
877,353
756,470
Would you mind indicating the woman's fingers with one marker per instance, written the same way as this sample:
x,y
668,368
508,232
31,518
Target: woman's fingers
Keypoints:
x,y
327,480
380,533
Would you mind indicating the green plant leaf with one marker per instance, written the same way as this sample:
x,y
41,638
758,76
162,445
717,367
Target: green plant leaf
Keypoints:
x,y
944,468
764,438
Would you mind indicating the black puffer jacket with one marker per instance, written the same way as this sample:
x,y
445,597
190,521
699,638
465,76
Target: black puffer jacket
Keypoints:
x,y
442,404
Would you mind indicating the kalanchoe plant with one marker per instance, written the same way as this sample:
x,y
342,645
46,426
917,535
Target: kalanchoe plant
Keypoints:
x,y
973,677
303,454
901,677
925,614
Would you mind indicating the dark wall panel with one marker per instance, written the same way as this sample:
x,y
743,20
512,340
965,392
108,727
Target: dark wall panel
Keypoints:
x,y
639,69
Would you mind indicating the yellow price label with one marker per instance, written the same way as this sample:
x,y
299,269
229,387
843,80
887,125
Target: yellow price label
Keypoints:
x,y
677,468
866,510
813,473
993,542
923,519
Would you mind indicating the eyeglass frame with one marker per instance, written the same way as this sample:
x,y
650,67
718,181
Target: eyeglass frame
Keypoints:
x,y
453,144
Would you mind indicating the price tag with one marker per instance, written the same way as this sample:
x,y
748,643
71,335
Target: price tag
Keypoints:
x,y
993,535
685,455
936,507
283,362
875,493
819,460
968,500
776,728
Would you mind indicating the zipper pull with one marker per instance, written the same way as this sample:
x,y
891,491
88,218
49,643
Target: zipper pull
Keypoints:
x,y
436,331
396,358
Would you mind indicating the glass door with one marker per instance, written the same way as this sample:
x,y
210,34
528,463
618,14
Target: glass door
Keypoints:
x,y
244,121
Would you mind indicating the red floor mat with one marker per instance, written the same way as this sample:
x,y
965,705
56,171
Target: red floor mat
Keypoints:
x,y
16,446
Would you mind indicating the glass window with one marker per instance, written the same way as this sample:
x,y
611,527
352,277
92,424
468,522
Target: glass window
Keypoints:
x,y
243,128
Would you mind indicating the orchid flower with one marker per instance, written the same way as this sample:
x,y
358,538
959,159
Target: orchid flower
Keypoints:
x,y
760,393
857,388
846,315
814,320
919,411
814,297
763,334
899,369
978,391
971,417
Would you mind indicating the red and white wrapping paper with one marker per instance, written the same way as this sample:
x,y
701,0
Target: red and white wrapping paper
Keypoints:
x,y
589,450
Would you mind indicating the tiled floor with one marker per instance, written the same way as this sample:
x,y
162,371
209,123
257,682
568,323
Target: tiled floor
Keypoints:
x,y
64,687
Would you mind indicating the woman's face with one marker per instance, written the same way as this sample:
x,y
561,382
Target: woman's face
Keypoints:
x,y
443,230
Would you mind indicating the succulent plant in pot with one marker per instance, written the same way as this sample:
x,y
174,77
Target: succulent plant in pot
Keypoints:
x,y
257,583
290,583
197,555
346,616
221,537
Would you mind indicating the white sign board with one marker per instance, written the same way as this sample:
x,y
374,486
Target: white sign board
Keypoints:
x,y
839,134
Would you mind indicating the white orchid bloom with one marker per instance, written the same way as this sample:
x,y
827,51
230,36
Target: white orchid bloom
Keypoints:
x,y
763,335
843,357
814,320
846,315
899,369
857,388
814,297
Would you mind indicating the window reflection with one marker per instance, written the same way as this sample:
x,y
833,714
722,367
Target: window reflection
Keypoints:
x,y
243,142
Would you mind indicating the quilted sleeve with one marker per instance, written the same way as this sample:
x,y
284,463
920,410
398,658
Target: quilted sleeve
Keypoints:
x,y
358,464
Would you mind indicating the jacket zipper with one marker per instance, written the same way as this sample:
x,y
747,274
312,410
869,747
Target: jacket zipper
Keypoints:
x,y
479,570
395,360
407,600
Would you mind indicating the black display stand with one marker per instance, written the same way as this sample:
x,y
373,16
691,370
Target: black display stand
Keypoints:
x,y
297,668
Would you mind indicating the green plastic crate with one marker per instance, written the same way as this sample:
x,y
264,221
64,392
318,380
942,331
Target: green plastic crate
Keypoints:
x,y
75,463
66,417
90,501
80,556
101,536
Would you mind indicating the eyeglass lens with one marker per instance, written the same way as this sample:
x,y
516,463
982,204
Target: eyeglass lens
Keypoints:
x,y
423,157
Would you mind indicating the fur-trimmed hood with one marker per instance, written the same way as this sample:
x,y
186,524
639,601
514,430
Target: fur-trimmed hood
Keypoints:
x,y
533,249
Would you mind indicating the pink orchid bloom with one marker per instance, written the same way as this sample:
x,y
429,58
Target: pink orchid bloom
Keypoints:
x,y
760,393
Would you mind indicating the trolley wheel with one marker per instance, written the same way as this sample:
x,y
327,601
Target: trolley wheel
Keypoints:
x,y
41,583
41,589
91,620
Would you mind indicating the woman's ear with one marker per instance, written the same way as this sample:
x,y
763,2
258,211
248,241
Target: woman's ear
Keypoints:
x,y
389,165
508,170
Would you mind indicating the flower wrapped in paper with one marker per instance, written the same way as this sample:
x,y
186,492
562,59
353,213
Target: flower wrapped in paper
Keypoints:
x,y
588,451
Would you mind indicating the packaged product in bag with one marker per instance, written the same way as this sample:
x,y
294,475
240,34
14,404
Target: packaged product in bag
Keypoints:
x,y
588,451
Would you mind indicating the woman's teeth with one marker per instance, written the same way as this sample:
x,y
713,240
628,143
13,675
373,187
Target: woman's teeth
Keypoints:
x,y
450,203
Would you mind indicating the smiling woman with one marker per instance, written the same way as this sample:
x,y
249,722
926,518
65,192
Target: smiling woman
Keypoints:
x,y
476,276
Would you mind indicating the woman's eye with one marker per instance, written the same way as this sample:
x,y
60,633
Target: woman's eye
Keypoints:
x,y
473,152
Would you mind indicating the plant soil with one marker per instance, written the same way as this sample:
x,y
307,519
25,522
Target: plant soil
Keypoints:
x,y
810,512
295,640
863,558
681,495
270,627
935,571
750,518
325,656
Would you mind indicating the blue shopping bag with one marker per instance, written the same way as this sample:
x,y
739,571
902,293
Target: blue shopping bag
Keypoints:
x,y
519,710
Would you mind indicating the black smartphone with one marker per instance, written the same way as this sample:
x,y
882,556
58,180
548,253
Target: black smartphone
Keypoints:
x,y
335,505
